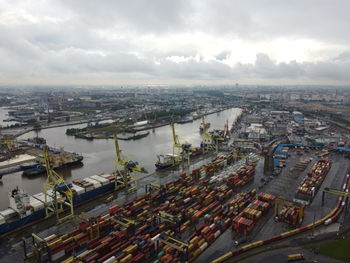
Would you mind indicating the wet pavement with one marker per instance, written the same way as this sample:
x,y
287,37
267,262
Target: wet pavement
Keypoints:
x,y
284,185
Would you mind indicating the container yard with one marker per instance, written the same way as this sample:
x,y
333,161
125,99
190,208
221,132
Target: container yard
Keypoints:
x,y
177,221
309,186
147,228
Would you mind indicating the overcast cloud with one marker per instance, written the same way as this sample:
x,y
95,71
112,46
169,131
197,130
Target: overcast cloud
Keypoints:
x,y
182,42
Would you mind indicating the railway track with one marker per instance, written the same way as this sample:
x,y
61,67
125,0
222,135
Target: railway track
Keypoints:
x,y
326,220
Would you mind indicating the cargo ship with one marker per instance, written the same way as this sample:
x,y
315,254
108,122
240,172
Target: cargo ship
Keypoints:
x,y
186,120
32,170
173,160
25,208
37,140
167,161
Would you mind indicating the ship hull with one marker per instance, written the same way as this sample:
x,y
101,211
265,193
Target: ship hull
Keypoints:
x,y
160,166
77,199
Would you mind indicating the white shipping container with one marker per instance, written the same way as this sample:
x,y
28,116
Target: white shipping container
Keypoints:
x,y
8,213
36,204
58,255
217,233
94,182
2,220
100,179
79,190
203,246
89,188
110,260
41,197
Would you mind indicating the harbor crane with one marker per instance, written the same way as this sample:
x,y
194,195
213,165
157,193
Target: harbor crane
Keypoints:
x,y
182,149
124,167
58,195
208,143
301,207
334,192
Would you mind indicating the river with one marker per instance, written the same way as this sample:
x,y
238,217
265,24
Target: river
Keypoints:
x,y
3,116
99,155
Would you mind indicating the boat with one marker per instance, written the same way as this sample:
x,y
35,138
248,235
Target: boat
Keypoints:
x,y
167,161
40,168
186,120
37,140
134,137
25,208
10,119
29,166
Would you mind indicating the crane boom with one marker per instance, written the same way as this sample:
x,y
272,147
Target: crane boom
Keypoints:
x,y
58,195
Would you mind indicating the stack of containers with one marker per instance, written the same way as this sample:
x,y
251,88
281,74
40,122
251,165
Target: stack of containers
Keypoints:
x,y
77,190
88,186
266,198
118,242
100,179
252,214
36,204
290,215
107,176
242,176
95,183
309,186
259,205
242,225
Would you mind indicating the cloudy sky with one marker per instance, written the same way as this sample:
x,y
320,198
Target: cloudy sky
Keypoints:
x,y
156,42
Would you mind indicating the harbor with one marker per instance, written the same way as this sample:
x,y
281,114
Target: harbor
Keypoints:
x,y
99,155
224,199
196,236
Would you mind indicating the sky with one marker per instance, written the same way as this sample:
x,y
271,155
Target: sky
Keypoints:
x,y
182,42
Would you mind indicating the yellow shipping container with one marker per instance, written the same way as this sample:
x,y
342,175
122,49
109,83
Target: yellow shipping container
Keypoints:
x,y
126,259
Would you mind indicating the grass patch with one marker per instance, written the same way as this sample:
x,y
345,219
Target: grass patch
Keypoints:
x,y
339,249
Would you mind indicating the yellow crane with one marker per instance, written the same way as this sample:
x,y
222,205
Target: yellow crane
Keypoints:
x,y
58,195
208,142
180,149
124,168
279,201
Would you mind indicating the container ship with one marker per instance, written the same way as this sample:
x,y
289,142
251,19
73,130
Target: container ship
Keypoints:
x,y
173,160
25,208
38,168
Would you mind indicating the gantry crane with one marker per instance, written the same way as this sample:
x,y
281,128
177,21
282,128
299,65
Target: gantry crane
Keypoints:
x,y
182,149
127,166
334,192
177,244
58,196
301,207
208,143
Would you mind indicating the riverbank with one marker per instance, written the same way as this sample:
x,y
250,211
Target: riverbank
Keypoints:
x,y
19,132
99,155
